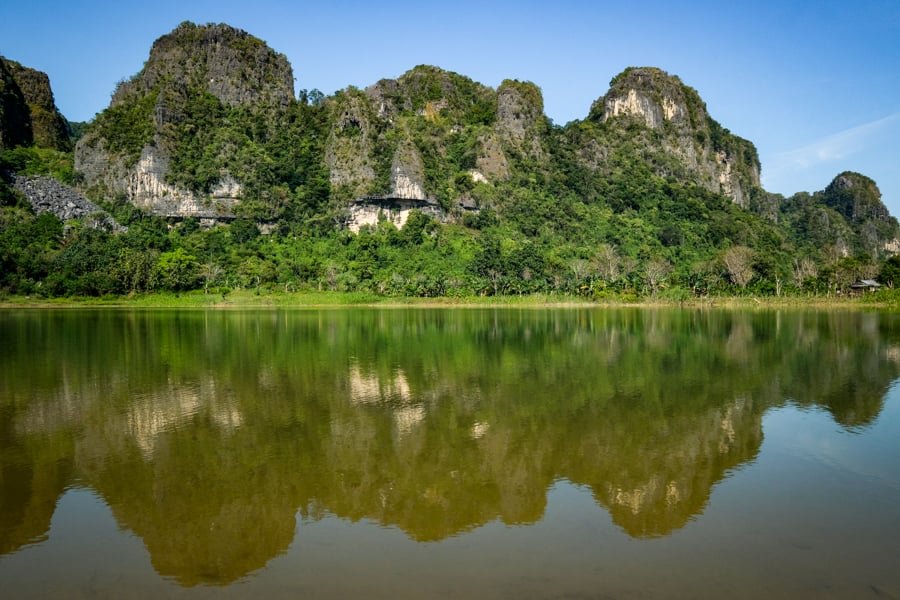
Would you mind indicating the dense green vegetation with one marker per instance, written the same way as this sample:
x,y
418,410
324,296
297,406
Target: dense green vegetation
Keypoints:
x,y
639,235
423,259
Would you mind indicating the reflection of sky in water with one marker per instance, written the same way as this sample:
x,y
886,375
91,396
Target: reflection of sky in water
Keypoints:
x,y
870,452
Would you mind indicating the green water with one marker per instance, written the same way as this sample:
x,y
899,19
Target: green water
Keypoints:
x,y
449,453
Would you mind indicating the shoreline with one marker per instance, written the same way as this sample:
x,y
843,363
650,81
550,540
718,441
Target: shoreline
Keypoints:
x,y
244,299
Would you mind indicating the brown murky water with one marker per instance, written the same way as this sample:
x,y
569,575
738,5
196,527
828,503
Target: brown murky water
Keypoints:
x,y
449,453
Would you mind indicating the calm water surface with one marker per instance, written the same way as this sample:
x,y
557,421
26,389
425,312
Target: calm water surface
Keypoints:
x,y
449,453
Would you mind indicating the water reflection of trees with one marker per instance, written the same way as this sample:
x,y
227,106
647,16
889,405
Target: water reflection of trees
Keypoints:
x,y
207,432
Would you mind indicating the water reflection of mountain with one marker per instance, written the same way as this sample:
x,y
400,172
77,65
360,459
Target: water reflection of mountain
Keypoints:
x,y
206,433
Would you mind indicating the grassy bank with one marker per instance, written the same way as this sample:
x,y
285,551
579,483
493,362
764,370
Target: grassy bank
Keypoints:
x,y
252,299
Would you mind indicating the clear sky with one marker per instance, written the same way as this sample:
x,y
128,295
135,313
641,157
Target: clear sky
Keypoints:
x,y
814,84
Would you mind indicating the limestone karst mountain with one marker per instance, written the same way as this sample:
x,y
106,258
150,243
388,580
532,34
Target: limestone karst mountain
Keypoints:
x,y
137,146
646,186
681,138
429,134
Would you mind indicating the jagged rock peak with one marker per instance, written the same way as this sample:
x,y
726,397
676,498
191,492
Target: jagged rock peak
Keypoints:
x,y
856,196
229,63
38,121
704,150
431,91
134,146
650,94
520,107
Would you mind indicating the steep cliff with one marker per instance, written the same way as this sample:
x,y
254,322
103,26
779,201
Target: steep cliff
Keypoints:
x,y
349,151
28,113
434,135
521,123
404,137
667,123
168,141
15,122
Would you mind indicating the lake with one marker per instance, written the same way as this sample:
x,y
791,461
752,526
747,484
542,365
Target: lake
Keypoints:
x,y
509,453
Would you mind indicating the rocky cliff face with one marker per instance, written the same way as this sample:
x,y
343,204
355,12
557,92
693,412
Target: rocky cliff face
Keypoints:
x,y
349,151
433,134
15,122
520,118
380,137
492,135
229,63
28,113
675,125
407,172
193,73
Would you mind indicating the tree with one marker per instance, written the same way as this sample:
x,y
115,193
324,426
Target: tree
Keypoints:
x,y
488,261
890,271
176,270
243,231
255,271
134,269
655,274
738,261
849,269
608,262
580,268
210,272
804,270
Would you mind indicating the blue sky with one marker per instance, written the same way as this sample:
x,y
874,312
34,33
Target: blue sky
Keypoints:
x,y
815,85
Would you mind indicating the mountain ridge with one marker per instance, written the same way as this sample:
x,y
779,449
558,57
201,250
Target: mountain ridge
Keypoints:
x,y
210,130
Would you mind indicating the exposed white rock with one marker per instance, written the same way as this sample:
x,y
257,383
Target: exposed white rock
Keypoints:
x,y
491,161
671,109
477,176
228,188
266,228
634,104
893,246
365,214
407,172
659,101
729,184
146,185
147,188
397,211
404,186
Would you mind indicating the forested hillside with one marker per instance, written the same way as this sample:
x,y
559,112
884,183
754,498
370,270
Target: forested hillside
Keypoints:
x,y
216,177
